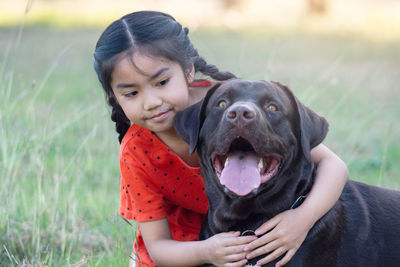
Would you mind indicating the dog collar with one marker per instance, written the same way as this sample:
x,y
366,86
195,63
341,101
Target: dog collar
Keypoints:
x,y
248,232
295,204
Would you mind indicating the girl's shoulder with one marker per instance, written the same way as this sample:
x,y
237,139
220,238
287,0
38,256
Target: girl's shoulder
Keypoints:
x,y
134,130
136,137
141,144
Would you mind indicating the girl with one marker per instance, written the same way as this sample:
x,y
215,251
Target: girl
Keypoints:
x,y
146,65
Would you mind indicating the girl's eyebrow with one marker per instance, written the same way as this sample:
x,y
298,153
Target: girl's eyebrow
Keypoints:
x,y
158,73
155,75
125,85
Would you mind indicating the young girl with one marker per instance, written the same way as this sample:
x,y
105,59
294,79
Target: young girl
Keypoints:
x,y
146,65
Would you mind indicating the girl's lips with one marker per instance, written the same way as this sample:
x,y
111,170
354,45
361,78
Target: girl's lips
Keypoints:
x,y
160,116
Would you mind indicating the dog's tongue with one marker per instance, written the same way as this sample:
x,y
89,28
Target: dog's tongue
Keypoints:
x,y
241,174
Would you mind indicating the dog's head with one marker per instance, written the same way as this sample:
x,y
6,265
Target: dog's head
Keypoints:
x,y
250,133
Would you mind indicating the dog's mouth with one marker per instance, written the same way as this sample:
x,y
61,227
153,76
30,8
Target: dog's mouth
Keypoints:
x,y
241,170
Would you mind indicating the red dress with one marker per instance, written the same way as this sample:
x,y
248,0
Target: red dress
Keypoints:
x,y
156,183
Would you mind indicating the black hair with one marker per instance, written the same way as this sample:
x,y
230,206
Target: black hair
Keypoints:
x,y
153,33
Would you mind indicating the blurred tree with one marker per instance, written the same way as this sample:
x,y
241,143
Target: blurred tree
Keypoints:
x,y
231,4
317,6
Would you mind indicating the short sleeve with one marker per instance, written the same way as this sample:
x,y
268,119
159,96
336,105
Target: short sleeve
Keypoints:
x,y
140,198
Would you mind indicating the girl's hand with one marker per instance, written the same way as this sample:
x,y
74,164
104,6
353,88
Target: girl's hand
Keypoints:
x,y
227,249
287,232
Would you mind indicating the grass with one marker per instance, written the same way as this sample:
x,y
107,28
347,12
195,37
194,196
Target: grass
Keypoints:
x,y
59,199
59,153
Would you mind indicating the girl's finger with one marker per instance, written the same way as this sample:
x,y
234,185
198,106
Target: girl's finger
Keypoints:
x,y
267,226
229,234
245,239
236,264
286,259
236,257
238,241
234,250
263,240
278,252
264,249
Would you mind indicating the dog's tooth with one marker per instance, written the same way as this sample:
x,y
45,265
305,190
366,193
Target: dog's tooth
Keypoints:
x,y
226,161
260,164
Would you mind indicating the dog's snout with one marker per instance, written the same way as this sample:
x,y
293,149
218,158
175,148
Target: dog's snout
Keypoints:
x,y
240,113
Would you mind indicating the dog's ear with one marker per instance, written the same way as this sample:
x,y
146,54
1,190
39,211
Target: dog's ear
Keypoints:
x,y
312,127
188,122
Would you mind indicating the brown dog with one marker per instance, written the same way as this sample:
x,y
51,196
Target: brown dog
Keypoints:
x,y
254,141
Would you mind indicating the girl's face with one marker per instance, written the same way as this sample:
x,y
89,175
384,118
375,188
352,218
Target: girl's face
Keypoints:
x,y
152,92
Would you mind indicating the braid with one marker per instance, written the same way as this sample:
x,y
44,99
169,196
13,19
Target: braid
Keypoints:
x,y
201,65
122,123
211,70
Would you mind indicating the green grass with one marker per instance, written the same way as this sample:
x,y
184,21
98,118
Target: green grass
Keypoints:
x,y
59,153
59,170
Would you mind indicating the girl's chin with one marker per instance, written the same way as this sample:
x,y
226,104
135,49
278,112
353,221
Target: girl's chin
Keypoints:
x,y
159,128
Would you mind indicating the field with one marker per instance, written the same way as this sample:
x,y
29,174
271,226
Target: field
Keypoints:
x,y
59,152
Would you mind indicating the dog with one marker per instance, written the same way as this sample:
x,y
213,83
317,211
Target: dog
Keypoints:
x,y
254,141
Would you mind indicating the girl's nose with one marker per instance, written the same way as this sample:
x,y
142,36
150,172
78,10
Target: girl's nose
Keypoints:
x,y
151,100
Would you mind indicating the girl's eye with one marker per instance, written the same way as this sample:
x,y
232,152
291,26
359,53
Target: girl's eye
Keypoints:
x,y
131,94
163,82
272,107
221,104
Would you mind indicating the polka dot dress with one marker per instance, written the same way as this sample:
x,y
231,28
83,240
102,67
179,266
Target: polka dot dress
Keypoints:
x,y
156,183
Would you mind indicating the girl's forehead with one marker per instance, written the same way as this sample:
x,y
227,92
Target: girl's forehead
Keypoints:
x,y
142,63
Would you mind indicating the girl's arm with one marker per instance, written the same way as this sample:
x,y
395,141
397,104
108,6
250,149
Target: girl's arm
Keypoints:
x,y
219,250
290,228
330,178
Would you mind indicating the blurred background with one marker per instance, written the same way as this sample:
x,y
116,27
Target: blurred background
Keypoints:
x,y
58,149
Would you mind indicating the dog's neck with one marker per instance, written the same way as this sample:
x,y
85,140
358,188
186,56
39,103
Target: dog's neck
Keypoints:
x,y
228,212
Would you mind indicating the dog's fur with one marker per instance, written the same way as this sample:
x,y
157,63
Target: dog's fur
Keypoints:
x,y
362,229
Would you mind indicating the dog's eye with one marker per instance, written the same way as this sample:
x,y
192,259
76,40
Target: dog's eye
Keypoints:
x,y
221,104
272,107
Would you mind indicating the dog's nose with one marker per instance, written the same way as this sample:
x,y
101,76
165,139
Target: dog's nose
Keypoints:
x,y
240,113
